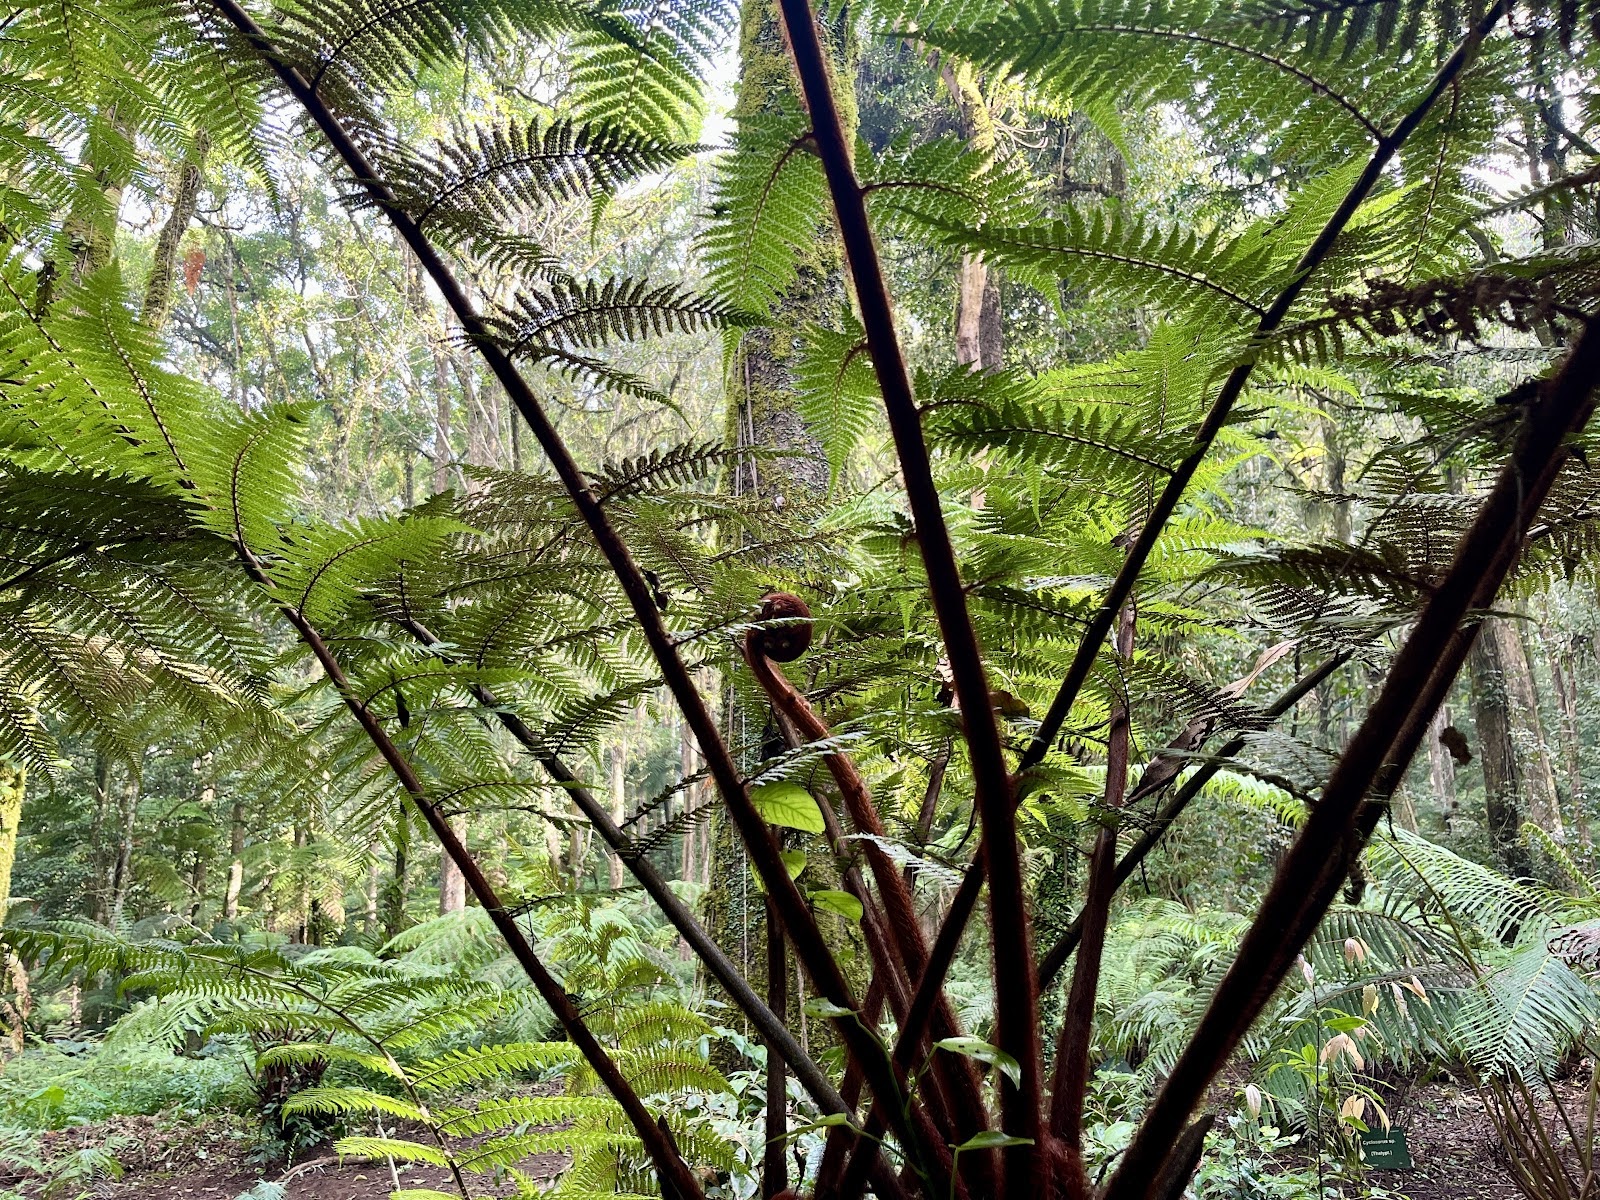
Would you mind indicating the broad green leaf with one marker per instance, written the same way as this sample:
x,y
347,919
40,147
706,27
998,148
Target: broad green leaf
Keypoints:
x,y
820,1006
842,903
992,1139
985,1053
794,862
787,804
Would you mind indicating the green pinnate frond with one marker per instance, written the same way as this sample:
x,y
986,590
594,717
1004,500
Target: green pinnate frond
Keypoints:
x,y
342,1101
473,187
1207,279
670,467
492,1115
322,571
1236,74
916,188
838,390
586,316
769,204
398,1149
506,1151
381,42
659,1071
645,63
481,1064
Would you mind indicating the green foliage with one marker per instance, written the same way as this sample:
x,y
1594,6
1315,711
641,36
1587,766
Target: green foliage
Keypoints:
x,y
159,542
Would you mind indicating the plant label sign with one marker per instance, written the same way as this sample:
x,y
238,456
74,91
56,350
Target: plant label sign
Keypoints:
x,y
1386,1151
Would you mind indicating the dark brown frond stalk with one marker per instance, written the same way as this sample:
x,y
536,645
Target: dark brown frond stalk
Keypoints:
x,y
1310,875
1161,771
799,923
1077,1031
717,963
1016,1008
955,1075
966,896
673,1171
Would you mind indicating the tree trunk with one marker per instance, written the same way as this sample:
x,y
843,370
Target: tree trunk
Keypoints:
x,y
394,907
980,337
91,225
1510,745
230,901
1563,675
763,412
1543,799
775,1162
443,455
619,804
452,883
1441,766
13,786
122,868
99,872
374,890
160,287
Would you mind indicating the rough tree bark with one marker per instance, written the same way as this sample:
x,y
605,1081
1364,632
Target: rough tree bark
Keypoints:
x,y
1563,675
160,285
122,866
1510,745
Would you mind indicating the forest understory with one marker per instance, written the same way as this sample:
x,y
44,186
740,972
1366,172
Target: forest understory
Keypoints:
x,y
800,600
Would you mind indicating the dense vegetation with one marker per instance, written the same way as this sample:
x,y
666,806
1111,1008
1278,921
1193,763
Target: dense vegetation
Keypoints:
x,y
555,557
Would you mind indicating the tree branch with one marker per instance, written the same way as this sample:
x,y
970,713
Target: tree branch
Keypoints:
x,y
768,1024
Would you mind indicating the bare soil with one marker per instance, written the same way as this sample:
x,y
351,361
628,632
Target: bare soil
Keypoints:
x,y
1454,1146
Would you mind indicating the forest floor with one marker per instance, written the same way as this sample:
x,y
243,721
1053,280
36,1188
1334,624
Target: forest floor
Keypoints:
x,y
1455,1149
1452,1143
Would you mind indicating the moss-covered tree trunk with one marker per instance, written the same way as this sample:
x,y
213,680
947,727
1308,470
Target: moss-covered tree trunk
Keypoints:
x,y
1517,777
764,412
13,786
160,287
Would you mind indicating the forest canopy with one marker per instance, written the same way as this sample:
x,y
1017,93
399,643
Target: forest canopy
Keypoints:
x,y
932,598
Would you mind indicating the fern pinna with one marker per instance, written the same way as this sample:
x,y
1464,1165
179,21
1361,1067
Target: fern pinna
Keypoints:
x,y
545,604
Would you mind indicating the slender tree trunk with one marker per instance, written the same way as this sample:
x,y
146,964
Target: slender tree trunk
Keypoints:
x,y
1563,676
443,454
619,804
1441,766
230,899
394,914
91,226
160,286
452,883
1543,799
122,869
99,872
1517,778
979,334
13,786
